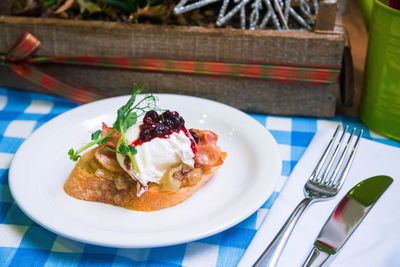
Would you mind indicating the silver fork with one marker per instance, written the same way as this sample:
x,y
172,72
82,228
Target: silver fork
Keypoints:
x,y
318,187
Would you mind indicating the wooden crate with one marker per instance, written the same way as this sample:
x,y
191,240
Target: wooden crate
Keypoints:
x,y
94,38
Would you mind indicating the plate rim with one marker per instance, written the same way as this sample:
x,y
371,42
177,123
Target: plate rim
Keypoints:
x,y
197,236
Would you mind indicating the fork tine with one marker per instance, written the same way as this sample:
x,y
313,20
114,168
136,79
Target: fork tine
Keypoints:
x,y
328,168
321,162
340,181
339,163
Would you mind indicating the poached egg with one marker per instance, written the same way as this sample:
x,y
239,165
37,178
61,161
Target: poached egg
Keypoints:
x,y
156,156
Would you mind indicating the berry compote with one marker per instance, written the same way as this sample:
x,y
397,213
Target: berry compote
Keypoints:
x,y
162,126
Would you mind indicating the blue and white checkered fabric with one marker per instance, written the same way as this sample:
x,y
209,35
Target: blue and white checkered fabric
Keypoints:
x,y
23,242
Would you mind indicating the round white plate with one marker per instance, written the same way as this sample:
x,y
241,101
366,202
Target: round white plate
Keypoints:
x,y
244,182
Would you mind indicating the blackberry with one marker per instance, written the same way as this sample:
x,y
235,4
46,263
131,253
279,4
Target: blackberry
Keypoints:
x,y
146,134
155,125
195,137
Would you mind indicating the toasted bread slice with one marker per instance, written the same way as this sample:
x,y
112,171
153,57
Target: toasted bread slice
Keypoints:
x,y
89,180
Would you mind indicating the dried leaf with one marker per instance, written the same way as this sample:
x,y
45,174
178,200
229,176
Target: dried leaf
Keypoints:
x,y
67,4
89,6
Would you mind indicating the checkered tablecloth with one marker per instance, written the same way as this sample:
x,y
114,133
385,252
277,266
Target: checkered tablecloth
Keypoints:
x,y
24,243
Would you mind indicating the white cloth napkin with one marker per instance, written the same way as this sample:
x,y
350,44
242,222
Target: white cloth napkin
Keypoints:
x,y
376,242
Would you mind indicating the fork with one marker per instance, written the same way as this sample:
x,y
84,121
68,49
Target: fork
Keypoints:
x,y
317,188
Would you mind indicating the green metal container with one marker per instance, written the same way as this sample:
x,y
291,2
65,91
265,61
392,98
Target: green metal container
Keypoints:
x,y
380,105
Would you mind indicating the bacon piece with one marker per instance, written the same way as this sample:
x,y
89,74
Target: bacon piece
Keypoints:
x,y
112,141
208,153
107,159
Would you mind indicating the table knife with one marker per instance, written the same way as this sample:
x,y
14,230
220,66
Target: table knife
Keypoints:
x,y
345,218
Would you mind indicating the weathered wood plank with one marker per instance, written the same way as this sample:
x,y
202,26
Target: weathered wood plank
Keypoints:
x,y
326,15
247,95
77,38
72,38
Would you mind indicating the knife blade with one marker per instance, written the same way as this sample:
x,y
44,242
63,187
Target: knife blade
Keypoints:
x,y
346,217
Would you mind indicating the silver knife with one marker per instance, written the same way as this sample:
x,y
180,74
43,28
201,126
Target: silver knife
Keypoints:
x,y
345,218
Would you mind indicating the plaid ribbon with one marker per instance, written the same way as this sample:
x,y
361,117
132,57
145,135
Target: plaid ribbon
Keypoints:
x,y
19,60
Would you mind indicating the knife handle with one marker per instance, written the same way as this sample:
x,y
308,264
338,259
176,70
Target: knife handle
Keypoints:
x,y
316,258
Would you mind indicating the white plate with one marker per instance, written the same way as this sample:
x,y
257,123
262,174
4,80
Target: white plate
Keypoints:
x,y
244,182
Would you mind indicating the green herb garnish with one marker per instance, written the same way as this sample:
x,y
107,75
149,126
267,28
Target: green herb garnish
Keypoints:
x,y
127,116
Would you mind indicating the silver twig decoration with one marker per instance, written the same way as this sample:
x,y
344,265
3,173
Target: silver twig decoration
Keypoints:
x,y
255,14
278,11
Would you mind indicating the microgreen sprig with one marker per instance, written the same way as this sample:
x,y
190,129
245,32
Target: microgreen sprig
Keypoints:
x,y
127,116
96,139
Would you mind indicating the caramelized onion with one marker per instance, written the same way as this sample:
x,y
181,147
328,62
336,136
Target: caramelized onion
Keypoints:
x,y
121,183
193,177
168,182
94,164
103,174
